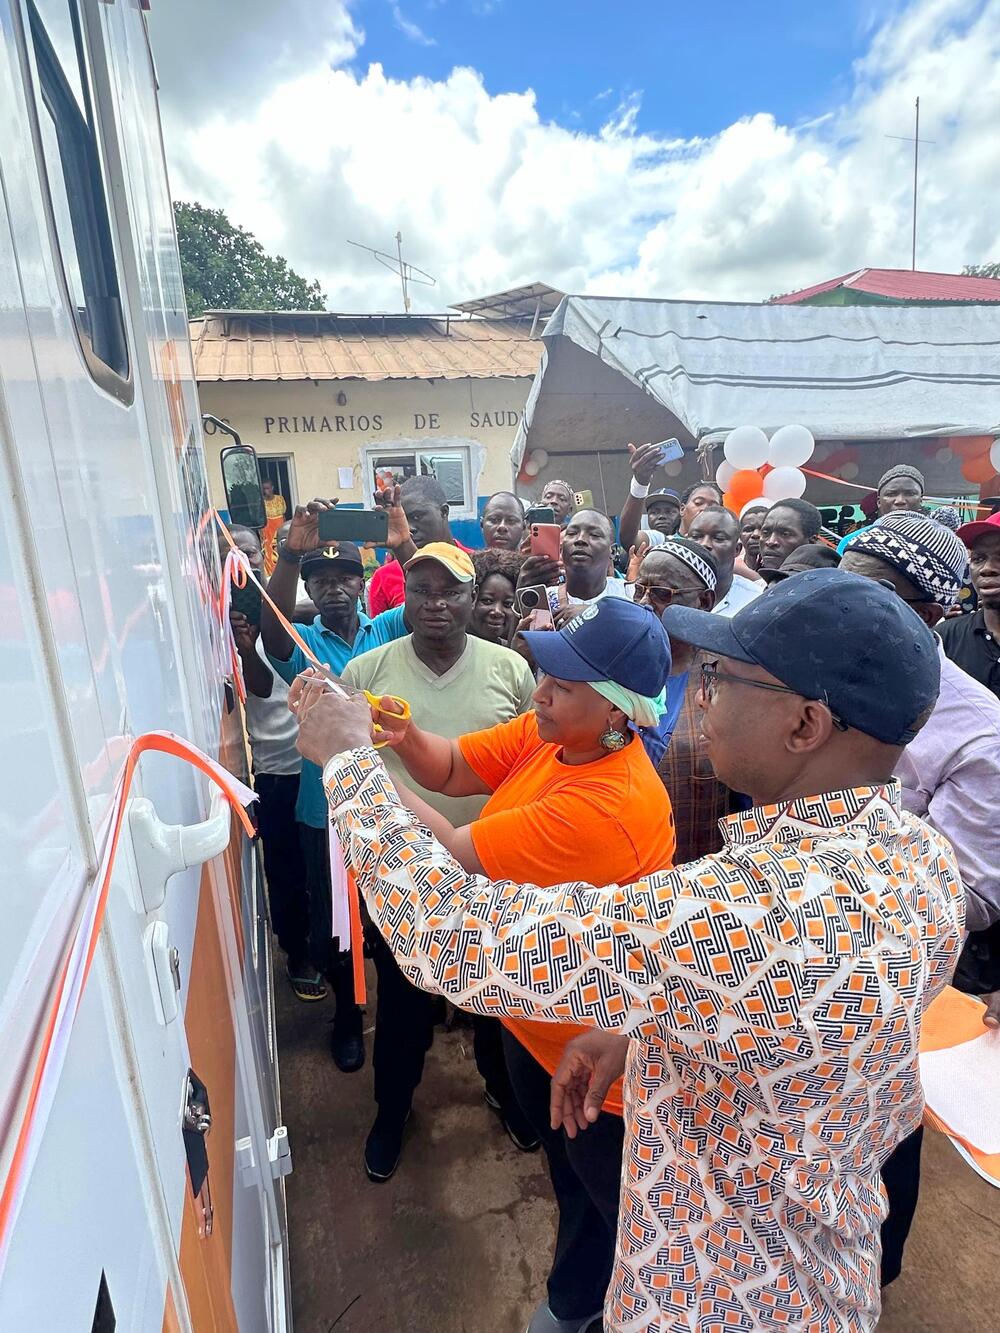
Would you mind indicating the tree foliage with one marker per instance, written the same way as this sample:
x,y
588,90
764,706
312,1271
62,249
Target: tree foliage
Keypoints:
x,y
982,270
226,268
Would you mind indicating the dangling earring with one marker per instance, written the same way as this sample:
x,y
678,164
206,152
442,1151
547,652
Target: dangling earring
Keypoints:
x,y
613,739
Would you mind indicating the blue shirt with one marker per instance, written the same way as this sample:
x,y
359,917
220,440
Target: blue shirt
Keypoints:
x,y
311,807
656,739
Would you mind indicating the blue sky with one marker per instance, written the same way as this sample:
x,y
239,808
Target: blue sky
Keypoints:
x,y
697,66
727,149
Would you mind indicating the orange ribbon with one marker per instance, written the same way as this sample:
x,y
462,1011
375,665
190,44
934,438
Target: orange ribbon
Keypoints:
x,y
356,942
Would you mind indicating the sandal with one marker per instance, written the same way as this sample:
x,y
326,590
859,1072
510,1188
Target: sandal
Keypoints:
x,y
307,989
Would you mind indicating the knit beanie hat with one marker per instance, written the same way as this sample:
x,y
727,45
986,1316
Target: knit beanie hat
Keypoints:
x,y
903,470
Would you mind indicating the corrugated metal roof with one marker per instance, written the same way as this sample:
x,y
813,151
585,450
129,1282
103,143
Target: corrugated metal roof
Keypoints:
x,y
536,297
903,284
242,345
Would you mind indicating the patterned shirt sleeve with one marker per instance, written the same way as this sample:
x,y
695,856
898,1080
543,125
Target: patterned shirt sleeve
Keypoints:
x,y
578,953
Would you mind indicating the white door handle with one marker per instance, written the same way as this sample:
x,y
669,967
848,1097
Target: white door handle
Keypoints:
x,y
162,850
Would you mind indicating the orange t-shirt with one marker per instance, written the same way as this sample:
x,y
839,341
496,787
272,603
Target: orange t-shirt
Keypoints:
x,y
608,822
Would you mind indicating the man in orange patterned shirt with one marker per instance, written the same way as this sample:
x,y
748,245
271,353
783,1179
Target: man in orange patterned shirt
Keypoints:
x,y
772,990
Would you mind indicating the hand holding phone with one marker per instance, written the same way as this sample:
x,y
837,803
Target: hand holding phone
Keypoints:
x,y
545,539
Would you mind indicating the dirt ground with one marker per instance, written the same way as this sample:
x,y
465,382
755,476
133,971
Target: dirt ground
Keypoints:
x,y
459,1240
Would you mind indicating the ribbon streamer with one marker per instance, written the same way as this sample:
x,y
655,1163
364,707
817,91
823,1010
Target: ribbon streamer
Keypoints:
x,y
344,914
74,970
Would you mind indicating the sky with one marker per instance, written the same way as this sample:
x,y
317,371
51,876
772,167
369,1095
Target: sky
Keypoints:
x,y
719,149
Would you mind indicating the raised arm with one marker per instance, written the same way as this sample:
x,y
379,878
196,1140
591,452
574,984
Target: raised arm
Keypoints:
x,y
433,761
643,463
303,536
571,954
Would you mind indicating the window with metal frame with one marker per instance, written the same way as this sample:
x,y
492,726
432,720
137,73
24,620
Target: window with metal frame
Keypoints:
x,y
72,170
386,466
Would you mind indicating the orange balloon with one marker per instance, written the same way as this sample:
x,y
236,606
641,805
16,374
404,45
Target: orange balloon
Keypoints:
x,y
978,469
743,486
970,446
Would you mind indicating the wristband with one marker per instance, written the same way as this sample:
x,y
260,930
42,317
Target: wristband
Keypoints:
x,y
292,557
637,490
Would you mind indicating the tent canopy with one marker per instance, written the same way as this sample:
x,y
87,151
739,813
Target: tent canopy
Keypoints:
x,y
617,370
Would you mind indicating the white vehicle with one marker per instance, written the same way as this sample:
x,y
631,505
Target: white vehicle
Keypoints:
x,y
109,579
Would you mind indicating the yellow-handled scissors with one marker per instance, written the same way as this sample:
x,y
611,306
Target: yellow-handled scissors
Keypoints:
x,y
400,709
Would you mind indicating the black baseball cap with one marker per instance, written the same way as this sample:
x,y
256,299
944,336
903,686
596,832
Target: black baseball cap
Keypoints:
x,y
665,496
814,555
342,555
612,639
834,636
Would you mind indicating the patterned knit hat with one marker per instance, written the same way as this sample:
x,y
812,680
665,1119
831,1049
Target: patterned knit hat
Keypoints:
x,y
923,551
697,558
949,516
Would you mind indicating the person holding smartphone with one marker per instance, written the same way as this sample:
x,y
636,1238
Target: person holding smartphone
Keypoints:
x,y
584,561
568,785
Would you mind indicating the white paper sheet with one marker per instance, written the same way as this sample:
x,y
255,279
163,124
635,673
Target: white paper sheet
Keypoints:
x,y
962,1087
345,478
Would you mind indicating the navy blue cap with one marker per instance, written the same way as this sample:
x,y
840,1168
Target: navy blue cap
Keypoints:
x,y
340,555
612,639
833,636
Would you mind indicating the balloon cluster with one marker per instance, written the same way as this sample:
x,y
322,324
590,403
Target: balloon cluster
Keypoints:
x,y
980,455
755,466
534,463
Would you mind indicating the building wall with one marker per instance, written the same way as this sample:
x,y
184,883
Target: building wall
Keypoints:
x,y
303,419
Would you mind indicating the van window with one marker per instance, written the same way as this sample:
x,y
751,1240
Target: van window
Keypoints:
x,y
72,168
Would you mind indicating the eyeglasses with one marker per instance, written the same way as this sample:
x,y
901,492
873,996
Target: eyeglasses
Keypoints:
x,y
659,593
710,674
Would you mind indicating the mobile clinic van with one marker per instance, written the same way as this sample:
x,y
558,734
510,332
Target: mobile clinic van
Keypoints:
x,y
141,1151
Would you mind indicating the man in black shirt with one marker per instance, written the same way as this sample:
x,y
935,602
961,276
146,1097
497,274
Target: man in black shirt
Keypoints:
x,y
973,642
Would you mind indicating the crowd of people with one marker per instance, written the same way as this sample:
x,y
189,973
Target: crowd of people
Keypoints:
x,y
692,815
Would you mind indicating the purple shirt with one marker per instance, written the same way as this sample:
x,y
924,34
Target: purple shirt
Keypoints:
x,y
950,776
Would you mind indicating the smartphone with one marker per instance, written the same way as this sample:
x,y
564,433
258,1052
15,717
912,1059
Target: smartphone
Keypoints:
x,y
669,452
545,539
354,525
540,514
247,601
541,620
583,499
539,596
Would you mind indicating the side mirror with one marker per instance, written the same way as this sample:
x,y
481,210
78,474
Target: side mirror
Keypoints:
x,y
241,478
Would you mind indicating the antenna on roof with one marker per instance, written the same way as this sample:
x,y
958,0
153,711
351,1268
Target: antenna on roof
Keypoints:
x,y
916,140
406,273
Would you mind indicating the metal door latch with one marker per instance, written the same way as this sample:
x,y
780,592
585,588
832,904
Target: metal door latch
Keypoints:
x,y
279,1153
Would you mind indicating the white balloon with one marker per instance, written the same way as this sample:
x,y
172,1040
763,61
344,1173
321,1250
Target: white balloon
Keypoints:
x,y
995,455
674,468
849,471
791,446
724,474
746,448
541,457
784,483
532,467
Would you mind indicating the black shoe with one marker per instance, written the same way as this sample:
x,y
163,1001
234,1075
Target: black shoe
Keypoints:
x,y
384,1146
515,1123
347,1044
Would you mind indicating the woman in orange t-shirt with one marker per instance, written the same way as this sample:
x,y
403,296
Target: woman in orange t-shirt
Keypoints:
x,y
570,785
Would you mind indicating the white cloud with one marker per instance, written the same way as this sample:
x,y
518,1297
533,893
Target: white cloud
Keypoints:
x,y
409,29
487,194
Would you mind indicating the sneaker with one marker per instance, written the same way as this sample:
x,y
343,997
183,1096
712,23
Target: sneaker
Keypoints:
x,y
544,1321
347,1044
515,1123
384,1147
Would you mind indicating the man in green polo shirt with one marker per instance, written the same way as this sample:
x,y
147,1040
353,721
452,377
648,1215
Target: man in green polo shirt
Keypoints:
x,y
454,683
334,579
